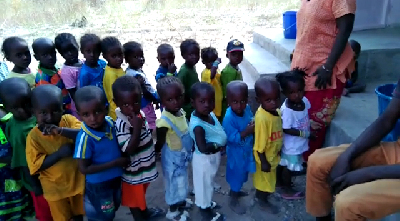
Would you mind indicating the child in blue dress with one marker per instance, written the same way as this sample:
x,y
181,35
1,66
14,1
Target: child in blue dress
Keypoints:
x,y
210,138
238,124
177,145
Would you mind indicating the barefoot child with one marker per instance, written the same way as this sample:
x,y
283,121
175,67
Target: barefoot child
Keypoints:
x,y
267,141
166,58
135,140
296,128
210,138
14,199
112,52
45,52
190,51
92,71
133,53
231,72
49,148
211,75
16,50
67,46
18,127
98,154
239,126
177,145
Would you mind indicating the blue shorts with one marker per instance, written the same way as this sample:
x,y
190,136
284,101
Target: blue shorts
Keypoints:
x,y
102,200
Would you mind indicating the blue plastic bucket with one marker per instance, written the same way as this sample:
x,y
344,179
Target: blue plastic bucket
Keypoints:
x,y
289,24
385,93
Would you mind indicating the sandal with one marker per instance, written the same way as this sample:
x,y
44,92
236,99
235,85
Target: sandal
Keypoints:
x,y
295,196
154,212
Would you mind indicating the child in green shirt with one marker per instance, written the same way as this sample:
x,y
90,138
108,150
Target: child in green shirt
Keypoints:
x,y
234,52
190,51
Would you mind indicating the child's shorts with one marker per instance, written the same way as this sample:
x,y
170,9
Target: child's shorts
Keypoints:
x,y
292,162
65,209
134,196
103,199
42,208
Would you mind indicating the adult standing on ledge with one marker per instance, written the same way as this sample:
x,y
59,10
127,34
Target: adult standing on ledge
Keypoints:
x,y
322,49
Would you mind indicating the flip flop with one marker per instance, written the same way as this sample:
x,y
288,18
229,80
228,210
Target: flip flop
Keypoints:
x,y
154,212
296,196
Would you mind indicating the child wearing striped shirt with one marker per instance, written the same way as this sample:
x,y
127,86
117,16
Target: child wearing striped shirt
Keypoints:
x,y
136,141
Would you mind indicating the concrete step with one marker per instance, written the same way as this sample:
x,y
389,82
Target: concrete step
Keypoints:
x,y
260,62
272,40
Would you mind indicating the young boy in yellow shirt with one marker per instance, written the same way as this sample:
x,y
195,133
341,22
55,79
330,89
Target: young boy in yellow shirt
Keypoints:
x,y
49,148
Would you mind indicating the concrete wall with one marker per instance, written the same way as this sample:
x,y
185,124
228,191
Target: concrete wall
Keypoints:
x,y
373,14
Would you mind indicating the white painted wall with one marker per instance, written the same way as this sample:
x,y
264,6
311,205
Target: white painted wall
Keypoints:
x,y
373,14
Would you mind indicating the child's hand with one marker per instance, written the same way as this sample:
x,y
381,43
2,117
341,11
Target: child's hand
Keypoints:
x,y
171,68
266,167
65,150
135,121
49,129
122,162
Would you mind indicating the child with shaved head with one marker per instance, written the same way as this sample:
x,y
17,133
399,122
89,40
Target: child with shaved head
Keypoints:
x,y
239,126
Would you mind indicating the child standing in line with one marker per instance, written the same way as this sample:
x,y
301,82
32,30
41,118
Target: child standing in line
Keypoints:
x,y
14,199
166,58
136,141
45,52
112,52
16,50
239,126
49,149
296,128
133,53
210,138
92,71
176,144
231,72
190,51
211,75
67,46
17,129
98,154
267,141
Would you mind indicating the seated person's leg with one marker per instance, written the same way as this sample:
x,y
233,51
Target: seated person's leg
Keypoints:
x,y
372,200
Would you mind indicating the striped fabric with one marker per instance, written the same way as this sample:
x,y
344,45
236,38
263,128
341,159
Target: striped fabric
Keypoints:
x,y
47,76
142,168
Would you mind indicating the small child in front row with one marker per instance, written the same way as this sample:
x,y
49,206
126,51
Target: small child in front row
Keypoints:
x,y
267,141
211,75
210,138
190,51
112,52
49,149
17,129
166,58
16,50
133,53
296,128
45,52
239,126
92,71
136,141
177,146
68,47
98,154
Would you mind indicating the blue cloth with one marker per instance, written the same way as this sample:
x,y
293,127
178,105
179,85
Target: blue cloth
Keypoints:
x,y
149,93
92,76
240,158
213,133
100,148
3,71
162,72
102,200
175,167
